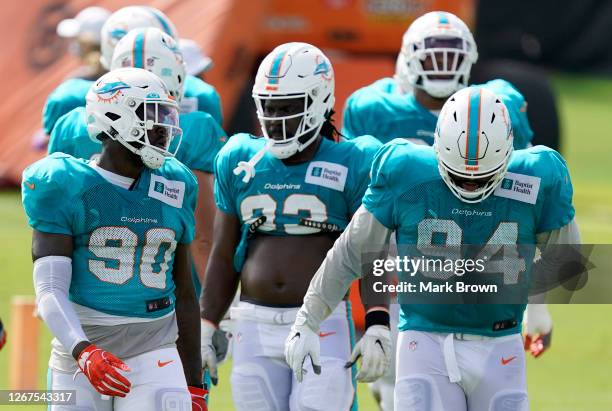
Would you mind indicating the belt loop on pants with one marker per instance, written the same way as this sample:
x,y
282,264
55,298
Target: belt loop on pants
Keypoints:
x,y
450,359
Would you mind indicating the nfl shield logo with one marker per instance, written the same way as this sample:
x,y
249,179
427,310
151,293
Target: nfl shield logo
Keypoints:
x,y
413,345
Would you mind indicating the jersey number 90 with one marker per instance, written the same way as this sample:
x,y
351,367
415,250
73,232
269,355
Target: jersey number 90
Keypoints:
x,y
116,246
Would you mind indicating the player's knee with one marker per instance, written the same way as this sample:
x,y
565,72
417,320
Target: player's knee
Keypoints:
x,y
510,400
415,393
331,390
172,399
251,388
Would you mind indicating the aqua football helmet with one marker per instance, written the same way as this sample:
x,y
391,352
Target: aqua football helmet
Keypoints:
x,y
473,143
437,54
134,107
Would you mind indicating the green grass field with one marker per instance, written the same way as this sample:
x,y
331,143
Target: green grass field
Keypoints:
x,y
573,376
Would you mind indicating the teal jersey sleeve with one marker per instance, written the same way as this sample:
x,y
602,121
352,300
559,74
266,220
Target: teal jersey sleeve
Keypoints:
x,y
557,208
355,112
202,139
366,147
351,124
46,195
175,170
517,108
379,198
382,111
227,159
70,136
67,96
208,99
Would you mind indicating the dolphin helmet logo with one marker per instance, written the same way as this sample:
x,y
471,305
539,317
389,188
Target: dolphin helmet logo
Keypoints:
x,y
110,91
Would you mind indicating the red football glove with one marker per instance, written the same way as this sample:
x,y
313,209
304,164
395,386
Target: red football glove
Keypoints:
x,y
99,368
198,398
538,329
538,345
2,338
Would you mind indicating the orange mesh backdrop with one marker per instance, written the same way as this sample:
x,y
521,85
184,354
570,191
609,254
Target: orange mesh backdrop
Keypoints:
x,y
34,60
233,32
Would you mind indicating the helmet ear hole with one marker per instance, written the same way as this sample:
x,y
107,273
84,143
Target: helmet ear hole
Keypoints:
x,y
112,116
140,111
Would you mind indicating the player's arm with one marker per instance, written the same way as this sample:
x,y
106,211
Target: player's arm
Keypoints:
x,y
187,313
52,256
220,284
328,287
204,218
555,253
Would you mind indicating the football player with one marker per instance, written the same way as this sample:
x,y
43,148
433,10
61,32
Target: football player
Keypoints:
x,y
451,357
437,54
111,254
71,93
435,60
155,51
282,201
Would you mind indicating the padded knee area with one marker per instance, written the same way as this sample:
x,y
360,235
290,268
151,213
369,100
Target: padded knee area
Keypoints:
x,y
414,394
172,399
510,401
331,390
251,388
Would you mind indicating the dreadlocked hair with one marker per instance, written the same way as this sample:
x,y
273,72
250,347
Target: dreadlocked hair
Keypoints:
x,y
329,130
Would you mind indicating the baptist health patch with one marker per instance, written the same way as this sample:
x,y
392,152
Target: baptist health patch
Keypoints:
x,y
325,174
519,187
167,191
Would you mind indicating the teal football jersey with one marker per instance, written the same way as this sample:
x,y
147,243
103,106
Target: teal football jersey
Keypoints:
x,y
382,111
408,195
201,96
294,199
202,139
66,97
124,240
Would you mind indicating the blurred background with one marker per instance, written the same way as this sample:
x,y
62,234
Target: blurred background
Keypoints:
x,y
557,53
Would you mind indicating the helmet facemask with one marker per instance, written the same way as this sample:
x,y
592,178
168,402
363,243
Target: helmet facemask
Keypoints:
x,y
486,182
441,65
150,132
290,123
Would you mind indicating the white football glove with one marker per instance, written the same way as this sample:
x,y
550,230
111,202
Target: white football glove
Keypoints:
x,y
301,343
209,354
538,329
374,348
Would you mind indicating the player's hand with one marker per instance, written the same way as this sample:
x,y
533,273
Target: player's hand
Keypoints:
x,y
538,330
198,398
301,343
100,367
209,352
2,335
374,348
